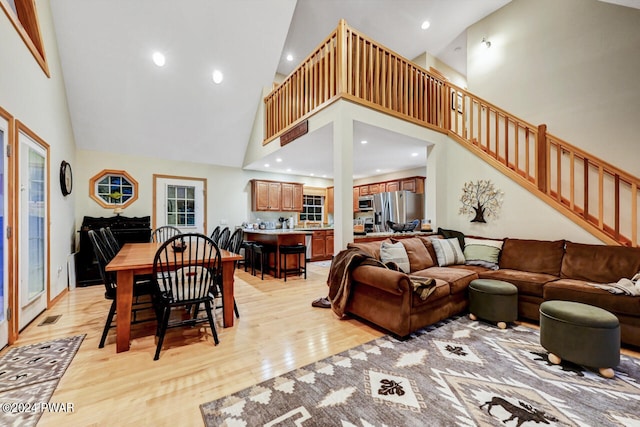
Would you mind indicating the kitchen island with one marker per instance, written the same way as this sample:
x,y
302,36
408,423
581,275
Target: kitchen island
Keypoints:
x,y
278,237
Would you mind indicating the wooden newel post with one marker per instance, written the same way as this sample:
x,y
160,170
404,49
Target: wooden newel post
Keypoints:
x,y
542,155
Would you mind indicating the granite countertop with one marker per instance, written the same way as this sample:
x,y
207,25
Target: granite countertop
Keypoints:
x,y
391,234
278,231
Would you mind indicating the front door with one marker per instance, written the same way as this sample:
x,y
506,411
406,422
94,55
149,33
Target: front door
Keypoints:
x,y
33,221
4,255
180,202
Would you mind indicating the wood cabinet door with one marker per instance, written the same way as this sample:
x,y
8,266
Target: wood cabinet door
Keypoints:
x,y
298,197
275,190
364,190
318,245
260,196
286,203
329,245
356,195
408,185
393,186
328,204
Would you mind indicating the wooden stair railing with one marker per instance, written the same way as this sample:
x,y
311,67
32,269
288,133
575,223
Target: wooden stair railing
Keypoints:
x,y
347,65
596,195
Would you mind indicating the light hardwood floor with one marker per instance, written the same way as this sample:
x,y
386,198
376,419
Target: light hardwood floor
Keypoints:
x,y
278,331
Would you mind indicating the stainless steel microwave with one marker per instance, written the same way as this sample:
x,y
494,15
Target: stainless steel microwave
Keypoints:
x,y
365,203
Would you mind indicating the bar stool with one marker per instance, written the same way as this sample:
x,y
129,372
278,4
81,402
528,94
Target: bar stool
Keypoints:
x,y
247,261
262,251
301,251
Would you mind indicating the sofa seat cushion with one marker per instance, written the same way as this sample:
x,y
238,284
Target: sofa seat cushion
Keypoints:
x,y
442,291
526,282
599,263
458,278
535,256
580,291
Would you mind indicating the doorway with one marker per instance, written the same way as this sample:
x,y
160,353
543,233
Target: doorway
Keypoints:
x,y
180,202
33,228
4,248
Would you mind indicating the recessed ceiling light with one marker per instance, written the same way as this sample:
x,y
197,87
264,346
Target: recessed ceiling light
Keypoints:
x,y
363,141
266,165
425,25
414,154
289,57
278,160
217,76
378,170
158,59
288,169
324,176
313,174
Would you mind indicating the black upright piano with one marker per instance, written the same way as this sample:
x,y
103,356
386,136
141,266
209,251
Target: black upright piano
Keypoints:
x,y
125,229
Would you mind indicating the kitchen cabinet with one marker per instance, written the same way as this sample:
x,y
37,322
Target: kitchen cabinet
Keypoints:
x,y
363,190
328,247
321,245
276,196
328,203
393,186
291,197
356,196
415,185
376,188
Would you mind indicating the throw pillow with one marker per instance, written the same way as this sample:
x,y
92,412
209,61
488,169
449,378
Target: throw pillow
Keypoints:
x,y
395,252
448,234
448,251
482,252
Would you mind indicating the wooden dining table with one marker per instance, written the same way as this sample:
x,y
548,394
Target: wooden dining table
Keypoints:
x,y
136,259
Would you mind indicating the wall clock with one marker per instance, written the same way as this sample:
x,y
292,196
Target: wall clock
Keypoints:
x,y
66,178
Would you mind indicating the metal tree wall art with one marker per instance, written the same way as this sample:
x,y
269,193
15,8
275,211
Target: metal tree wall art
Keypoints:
x,y
480,199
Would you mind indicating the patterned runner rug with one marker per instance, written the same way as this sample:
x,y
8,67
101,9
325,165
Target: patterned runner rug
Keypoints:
x,y
457,372
29,376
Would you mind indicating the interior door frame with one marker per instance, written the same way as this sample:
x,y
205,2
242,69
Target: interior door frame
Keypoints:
x,y
10,240
156,177
22,128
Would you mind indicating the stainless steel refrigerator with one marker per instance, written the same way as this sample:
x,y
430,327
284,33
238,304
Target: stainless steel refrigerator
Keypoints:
x,y
399,206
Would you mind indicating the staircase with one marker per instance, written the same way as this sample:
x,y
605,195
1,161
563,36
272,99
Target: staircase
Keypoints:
x,y
599,197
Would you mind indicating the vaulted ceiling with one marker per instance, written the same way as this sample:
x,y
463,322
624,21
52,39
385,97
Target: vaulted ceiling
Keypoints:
x,y
120,101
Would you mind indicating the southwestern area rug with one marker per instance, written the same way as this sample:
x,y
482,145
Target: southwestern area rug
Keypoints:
x,y
455,373
29,376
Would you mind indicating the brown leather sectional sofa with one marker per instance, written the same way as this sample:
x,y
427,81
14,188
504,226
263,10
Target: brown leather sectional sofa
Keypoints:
x,y
541,270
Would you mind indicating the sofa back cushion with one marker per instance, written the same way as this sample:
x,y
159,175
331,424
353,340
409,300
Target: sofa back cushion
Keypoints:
x,y
372,248
419,257
534,256
599,263
426,241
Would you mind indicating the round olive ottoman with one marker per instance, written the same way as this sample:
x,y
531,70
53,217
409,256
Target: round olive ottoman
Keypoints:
x,y
493,300
580,333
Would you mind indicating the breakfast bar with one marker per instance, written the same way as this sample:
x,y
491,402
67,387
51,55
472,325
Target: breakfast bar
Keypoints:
x,y
278,237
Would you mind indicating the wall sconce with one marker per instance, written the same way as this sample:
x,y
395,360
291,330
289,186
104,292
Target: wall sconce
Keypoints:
x,y
118,211
486,43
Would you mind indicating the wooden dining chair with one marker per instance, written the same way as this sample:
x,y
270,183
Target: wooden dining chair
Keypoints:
x,y
183,280
216,234
223,240
161,234
110,241
143,290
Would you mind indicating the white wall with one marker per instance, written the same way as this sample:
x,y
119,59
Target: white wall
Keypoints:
x,y
522,215
571,64
40,103
228,189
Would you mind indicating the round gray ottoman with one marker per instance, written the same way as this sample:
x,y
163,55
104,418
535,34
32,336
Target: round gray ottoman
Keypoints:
x,y
580,333
493,300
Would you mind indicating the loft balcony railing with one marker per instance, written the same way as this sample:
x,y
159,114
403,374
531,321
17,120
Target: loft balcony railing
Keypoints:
x,y
598,196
